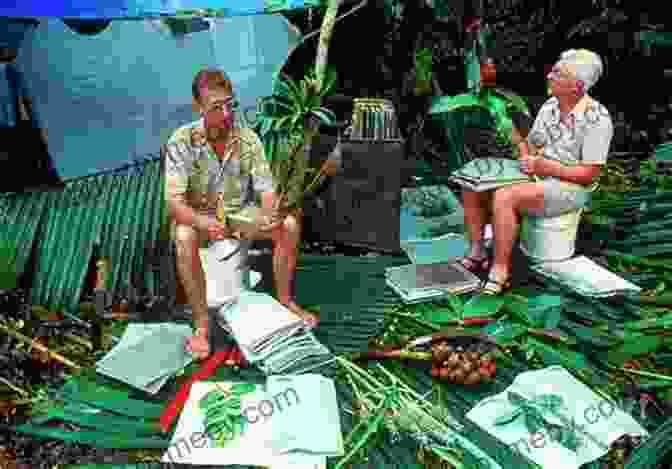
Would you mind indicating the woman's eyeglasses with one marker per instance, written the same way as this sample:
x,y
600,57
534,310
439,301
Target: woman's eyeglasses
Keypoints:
x,y
556,74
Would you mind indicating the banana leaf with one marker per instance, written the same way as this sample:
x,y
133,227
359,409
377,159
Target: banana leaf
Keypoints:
x,y
542,311
634,345
663,322
558,355
505,332
461,102
483,306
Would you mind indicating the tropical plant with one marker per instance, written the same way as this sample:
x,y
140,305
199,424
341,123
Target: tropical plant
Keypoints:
x,y
498,102
423,71
274,6
288,121
291,118
291,106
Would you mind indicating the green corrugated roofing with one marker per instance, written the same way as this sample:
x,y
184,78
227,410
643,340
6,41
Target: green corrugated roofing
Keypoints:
x,y
121,212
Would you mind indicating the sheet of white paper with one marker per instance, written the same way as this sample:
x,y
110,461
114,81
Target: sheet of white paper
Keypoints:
x,y
597,422
189,444
123,363
316,402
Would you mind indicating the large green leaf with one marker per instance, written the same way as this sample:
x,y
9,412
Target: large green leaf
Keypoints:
x,y
504,332
558,355
635,345
483,306
329,82
325,115
461,102
441,315
513,100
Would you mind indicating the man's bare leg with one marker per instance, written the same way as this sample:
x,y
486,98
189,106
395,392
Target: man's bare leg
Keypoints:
x,y
285,249
191,274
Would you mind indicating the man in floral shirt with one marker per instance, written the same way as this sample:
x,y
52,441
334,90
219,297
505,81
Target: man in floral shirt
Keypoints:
x,y
215,169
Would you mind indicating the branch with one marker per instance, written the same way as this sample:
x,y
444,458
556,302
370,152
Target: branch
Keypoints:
x,y
326,33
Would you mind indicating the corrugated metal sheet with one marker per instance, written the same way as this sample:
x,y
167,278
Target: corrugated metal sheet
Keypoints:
x,y
119,211
20,216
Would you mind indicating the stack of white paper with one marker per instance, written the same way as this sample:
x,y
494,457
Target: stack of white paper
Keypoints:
x,y
586,277
148,355
485,174
269,334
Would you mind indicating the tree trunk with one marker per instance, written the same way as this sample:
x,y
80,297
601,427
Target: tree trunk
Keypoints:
x,y
326,32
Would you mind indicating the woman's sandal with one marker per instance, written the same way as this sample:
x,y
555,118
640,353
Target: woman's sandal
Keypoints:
x,y
475,265
311,323
495,287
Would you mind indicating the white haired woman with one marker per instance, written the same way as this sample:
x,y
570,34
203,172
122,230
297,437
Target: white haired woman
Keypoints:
x,y
577,132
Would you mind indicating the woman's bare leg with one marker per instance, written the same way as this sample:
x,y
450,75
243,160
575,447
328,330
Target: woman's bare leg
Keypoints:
x,y
476,216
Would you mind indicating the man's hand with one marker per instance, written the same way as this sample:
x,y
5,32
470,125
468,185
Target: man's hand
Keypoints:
x,y
268,219
216,230
272,219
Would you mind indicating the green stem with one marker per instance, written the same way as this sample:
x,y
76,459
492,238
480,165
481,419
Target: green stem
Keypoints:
x,y
371,382
645,373
371,429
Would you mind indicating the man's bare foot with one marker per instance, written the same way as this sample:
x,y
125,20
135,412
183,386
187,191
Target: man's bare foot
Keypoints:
x,y
199,344
310,319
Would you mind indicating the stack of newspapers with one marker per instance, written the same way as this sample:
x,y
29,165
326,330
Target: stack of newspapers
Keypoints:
x,y
270,335
416,283
485,174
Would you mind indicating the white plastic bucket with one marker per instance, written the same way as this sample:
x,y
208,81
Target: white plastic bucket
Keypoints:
x,y
225,279
550,239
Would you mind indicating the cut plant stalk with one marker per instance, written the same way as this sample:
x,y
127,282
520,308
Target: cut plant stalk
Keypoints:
x,y
411,413
395,354
33,343
13,387
644,373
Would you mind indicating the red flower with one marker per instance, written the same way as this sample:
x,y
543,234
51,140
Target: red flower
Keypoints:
x,y
472,24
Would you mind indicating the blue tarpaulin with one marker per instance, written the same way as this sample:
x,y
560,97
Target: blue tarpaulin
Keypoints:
x,y
117,9
109,98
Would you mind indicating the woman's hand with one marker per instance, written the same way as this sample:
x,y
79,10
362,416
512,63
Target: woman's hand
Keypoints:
x,y
528,164
536,166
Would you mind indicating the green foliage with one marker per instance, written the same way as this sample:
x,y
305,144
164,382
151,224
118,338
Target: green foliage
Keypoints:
x,y
499,103
423,71
8,273
542,311
285,114
275,6
287,121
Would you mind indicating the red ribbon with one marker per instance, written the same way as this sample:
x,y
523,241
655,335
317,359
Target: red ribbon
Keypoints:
x,y
174,407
